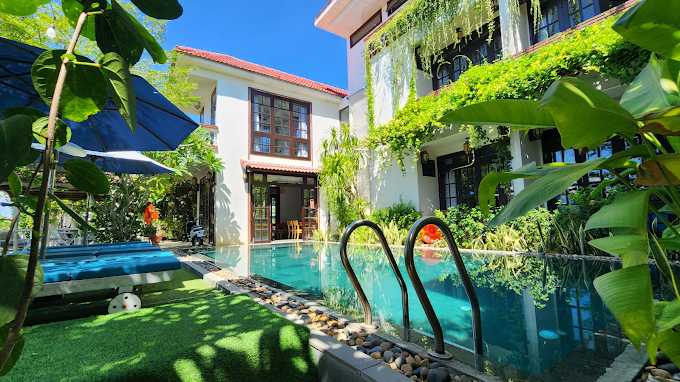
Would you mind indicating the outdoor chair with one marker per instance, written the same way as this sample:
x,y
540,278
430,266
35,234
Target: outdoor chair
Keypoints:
x,y
297,231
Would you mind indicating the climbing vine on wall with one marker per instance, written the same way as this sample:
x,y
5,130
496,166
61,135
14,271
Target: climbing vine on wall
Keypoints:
x,y
427,25
593,49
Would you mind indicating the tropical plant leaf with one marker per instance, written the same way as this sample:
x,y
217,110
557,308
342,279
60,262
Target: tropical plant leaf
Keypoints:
x,y
487,187
543,189
675,143
149,42
585,116
670,345
629,210
14,184
23,110
504,112
16,350
115,33
667,314
649,173
71,213
31,157
21,7
652,347
86,176
652,90
120,86
62,132
160,9
73,150
72,10
662,262
84,92
652,25
15,141
631,249
12,275
628,294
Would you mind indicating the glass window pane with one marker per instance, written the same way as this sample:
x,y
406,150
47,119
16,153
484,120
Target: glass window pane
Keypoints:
x,y
301,150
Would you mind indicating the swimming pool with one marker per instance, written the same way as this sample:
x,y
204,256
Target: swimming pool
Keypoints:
x,y
540,316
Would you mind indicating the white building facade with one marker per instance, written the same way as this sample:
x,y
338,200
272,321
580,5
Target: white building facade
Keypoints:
x,y
453,180
267,126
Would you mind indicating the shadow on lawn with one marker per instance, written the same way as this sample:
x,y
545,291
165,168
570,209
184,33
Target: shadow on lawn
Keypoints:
x,y
223,338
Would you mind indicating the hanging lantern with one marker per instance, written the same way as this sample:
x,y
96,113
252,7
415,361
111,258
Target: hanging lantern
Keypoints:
x,y
466,147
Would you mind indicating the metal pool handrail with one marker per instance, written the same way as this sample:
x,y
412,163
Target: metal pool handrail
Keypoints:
x,y
439,351
368,318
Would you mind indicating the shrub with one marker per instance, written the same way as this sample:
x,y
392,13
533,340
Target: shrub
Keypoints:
x,y
402,214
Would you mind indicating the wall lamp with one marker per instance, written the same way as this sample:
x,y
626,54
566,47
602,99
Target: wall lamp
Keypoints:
x,y
466,146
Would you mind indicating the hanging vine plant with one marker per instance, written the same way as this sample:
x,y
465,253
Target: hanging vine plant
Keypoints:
x,y
594,48
423,28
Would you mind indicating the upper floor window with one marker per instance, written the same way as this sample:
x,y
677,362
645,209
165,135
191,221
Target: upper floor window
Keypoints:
x,y
365,29
457,58
213,106
280,126
560,15
201,117
394,5
344,115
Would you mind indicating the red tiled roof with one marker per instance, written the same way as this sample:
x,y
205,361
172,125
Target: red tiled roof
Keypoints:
x,y
209,127
278,167
263,70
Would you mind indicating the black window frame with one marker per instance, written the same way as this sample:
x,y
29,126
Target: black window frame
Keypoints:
x,y
466,48
360,33
213,106
394,5
564,15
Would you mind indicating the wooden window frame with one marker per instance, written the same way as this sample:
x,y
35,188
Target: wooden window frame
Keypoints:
x,y
213,106
359,34
273,136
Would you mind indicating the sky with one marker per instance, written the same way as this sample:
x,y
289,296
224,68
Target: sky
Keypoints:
x,y
277,34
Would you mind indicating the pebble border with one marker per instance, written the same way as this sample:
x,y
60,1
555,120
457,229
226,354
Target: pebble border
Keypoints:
x,y
418,367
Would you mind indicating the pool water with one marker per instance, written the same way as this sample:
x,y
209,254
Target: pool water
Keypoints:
x,y
536,313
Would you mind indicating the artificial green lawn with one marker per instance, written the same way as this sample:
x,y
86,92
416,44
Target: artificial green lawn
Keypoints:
x,y
184,284
215,338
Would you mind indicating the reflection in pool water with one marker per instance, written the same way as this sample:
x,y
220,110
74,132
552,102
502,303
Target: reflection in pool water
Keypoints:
x,y
535,312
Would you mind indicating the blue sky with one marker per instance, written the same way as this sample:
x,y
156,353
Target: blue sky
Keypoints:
x,y
277,34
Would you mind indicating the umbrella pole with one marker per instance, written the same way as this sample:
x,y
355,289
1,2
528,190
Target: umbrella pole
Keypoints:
x,y
87,220
46,222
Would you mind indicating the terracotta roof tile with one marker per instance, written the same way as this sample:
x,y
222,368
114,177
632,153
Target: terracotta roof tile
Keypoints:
x,y
263,70
278,167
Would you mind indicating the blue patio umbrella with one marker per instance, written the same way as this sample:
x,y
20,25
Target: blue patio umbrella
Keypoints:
x,y
120,162
161,126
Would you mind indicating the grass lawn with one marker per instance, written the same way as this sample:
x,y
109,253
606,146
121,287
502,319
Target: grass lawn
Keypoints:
x,y
184,284
215,338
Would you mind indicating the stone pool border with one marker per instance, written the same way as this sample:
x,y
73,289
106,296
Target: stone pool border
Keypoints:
x,y
336,361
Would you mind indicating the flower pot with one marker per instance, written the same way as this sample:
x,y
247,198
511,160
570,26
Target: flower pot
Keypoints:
x,y
156,237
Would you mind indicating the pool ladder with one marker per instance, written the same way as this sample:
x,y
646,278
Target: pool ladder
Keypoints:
x,y
439,351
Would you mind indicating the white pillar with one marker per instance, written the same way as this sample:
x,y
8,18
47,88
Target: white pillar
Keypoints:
x,y
514,28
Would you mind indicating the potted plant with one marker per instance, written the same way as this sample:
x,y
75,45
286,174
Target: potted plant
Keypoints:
x,y
152,229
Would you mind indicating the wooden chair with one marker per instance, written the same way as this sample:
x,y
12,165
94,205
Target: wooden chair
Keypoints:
x,y
281,231
297,231
290,229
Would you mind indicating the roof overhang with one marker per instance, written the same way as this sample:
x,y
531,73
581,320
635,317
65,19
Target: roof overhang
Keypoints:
x,y
278,168
343,17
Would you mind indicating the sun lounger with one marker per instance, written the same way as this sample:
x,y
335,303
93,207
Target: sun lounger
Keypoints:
x,y
69,251
122,272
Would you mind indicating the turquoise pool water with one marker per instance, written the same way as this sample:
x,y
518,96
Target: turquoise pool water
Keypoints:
x,y
539,316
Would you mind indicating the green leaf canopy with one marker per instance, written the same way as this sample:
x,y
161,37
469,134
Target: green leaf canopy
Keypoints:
x,y
652,25
21,7
84,92
585,116
632,249
86,176
15,142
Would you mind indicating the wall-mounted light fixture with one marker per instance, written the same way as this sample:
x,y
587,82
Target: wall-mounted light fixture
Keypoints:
x,y
459,32
197,105
424,157
194,183
466,146
245,176
428,165
538,132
